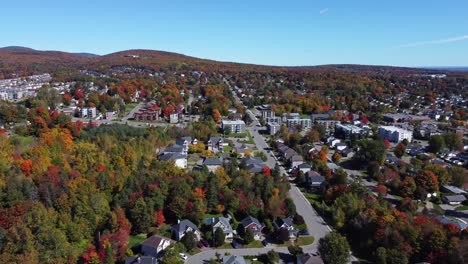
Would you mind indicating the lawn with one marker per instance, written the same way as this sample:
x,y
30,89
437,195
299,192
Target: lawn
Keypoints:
x,y
301,241
129,107
23,141
194,251
249,141
254,244
225,246
135,240
462,208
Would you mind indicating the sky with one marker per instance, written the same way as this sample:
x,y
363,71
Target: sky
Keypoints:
x,y
274,32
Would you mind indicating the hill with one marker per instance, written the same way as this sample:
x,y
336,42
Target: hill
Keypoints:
x,y
22,60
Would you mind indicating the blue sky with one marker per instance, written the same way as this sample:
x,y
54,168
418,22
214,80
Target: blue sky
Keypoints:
x,y
294,32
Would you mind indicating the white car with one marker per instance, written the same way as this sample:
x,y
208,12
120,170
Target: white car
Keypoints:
x,y
183,256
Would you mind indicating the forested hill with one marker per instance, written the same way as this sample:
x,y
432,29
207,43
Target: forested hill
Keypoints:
x,y
25,61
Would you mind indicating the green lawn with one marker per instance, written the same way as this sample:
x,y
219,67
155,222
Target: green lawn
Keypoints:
x,y
301,241
23,141
462,208
135,240
226,246
254,244
129,107
305,240
194,251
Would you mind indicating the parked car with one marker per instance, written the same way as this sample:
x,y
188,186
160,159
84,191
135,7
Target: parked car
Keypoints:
x,y
200,245
304,233
205,243
183,256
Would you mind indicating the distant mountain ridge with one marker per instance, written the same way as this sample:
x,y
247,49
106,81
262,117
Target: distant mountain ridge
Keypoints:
x,y
15,59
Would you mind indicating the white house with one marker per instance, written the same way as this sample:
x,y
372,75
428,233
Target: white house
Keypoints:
x,y
154,245
183,227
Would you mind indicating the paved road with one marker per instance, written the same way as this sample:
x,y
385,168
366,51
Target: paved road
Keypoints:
x,y
315,224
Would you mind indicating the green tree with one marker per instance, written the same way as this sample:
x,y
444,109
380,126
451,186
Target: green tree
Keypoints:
x,y
371,150
141,216
248,236
295,250
219,237
334,249
189,240
436,143
458,175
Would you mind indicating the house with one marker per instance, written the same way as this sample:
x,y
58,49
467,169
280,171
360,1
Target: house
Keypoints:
x,y
304,167
185,142
213,163
175,149
252,223
253,164
150,112
309,259
174,118
154,245
458,222
225,225
215,144
89,112
288,224
454,199
141,260
266,111
314,180
296,160
341,146
241,150
390,159
289,153
232,259
347,152
180,160
453,189
331,141
184,226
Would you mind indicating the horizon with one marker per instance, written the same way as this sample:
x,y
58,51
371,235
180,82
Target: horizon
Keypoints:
x,y
399,34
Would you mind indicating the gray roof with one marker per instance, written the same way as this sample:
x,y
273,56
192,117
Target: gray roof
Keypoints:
x,y
250,220
310,259
154,241
455,198
213,162
234,260
216,139
172,156
304,166
445,220
184,225
297,158
174,149
181,140
225,222
141,260
287,221
454,189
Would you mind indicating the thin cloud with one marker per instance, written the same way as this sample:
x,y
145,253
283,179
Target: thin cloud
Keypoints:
x,y
434,42
323,11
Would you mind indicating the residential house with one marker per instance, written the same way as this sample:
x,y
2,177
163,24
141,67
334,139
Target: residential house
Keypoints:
x,y
453,189
309,259
253,224
233,259
332,141
213,163
180,160
150,112
253,164
289,153
288,224
458,222
175,149
225,225
154,245
296,160
174,118
185,142
215,144
141,260
454,199
304,167
341,146
184,226
314,181
241,150
347,152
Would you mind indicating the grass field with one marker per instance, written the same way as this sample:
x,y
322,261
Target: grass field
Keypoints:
x,y
136,239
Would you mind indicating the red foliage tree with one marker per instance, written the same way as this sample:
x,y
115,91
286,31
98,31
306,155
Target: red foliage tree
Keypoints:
x,y
387,143
266,170
159,218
